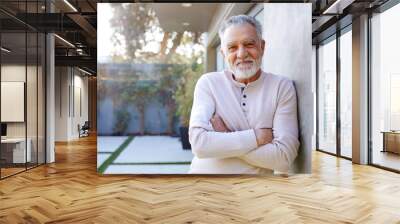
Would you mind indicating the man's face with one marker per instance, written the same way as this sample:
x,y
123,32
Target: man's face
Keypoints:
x,y
242,50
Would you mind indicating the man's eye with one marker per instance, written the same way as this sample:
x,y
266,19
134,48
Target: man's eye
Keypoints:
x,y
231,48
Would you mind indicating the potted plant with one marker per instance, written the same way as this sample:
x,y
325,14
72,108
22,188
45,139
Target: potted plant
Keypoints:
x,y
184,100
122,120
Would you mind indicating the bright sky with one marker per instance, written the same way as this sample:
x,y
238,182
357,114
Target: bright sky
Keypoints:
x,y
106,48
104,32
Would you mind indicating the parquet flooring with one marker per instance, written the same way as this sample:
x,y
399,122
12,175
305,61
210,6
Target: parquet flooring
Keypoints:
x,y
70,191
10,171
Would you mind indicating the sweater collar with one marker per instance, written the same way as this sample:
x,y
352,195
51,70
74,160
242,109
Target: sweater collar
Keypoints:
x,y
260,79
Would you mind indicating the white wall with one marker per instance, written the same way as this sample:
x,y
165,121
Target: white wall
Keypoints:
x,y
61,103
14,73
79,117
12,101
287,32
70,83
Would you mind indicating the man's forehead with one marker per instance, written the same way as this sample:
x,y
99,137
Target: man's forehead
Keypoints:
x,y
232,40
241,40
240,32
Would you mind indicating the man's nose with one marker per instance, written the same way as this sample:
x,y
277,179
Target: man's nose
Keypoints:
x,y
242,52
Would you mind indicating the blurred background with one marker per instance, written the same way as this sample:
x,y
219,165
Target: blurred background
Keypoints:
x,y
148,63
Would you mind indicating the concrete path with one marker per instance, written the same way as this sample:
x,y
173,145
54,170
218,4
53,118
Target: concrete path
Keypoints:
x,y
154,149
145,155
107,145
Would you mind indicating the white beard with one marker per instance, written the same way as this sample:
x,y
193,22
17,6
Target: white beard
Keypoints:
x,y
244,73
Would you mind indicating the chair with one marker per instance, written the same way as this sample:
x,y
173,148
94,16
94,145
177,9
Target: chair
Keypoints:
x,y
84,130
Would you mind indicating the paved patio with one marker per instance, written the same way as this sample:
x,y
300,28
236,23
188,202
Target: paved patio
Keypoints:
x,y
144,155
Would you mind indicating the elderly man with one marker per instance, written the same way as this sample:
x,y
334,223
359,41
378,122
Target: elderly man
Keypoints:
x,y
243,120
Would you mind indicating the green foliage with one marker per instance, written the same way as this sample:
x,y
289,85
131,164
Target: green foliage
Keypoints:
x,y
168,83
122,120
130,22
138,92
184,94
136,27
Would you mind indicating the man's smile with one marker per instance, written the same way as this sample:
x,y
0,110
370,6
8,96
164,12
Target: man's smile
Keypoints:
x,y
244,63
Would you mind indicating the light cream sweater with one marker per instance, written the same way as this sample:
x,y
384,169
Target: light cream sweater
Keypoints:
x,y
268,102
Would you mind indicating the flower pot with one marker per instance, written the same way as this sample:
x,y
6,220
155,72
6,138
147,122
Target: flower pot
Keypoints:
x,y
185,138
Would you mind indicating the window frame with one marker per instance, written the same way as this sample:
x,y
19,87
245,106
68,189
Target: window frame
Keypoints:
x,y
334,37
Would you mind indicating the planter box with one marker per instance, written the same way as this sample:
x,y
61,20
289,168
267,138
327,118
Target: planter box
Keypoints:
x,y
185,138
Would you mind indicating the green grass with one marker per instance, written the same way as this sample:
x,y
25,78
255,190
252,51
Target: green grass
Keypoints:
x,y
114,155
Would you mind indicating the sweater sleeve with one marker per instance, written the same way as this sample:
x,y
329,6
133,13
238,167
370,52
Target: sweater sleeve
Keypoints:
x,y
281,152
205,142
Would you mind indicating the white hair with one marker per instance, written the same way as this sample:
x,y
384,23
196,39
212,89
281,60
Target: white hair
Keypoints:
x,y
239,20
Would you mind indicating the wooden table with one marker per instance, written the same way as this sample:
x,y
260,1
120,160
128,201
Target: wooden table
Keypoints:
x,y
14,150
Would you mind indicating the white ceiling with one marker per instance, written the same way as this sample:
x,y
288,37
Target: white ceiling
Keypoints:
x,y
173,15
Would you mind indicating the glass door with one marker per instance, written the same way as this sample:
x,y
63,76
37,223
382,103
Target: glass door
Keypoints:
x,y
327,96
22,77
385,89
13,103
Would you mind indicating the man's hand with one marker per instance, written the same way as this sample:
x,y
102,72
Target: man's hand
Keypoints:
x,y
218,124
263,135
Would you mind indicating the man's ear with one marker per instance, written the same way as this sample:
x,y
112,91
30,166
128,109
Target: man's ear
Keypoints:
x,y
263,45
222,52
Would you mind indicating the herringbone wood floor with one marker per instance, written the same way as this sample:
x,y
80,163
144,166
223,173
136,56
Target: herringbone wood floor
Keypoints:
x,y
70,191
